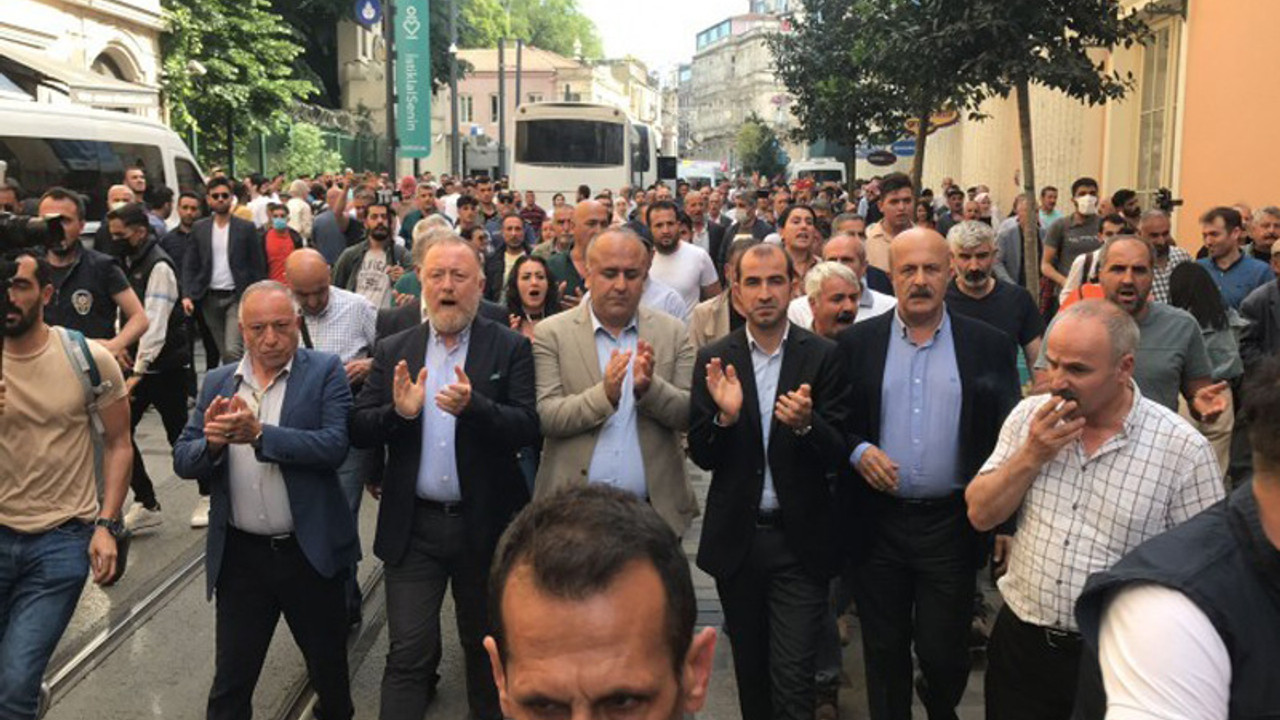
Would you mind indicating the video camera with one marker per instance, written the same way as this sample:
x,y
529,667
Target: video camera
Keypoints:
x,y
1165,201
19,232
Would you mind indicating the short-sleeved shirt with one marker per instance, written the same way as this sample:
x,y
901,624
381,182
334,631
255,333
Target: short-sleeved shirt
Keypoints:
x,y
1171,353
1242,277
1007,308
330,240
83,295
562,270
45,409
687,271
1071,240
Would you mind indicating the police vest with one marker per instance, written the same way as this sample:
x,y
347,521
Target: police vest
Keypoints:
x,y
175,354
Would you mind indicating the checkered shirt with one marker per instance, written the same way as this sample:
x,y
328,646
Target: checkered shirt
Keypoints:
x,y
1160,276
1082,514
347,327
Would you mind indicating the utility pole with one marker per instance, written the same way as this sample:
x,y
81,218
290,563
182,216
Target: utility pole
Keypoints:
x,y
519,67
455,148
389,34
502,107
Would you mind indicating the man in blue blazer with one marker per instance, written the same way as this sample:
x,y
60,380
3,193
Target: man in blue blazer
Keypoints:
x,y
267,435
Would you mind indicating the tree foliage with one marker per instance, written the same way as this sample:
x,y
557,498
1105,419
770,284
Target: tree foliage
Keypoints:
x,y
555,25
228,64
305,153
758,148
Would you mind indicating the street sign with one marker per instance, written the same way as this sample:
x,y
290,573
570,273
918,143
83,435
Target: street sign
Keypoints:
x,y
368,12
903,148
882,158
413,77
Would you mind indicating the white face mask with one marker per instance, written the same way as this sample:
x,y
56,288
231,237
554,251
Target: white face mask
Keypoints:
x,y
739,215
1087,204
118,204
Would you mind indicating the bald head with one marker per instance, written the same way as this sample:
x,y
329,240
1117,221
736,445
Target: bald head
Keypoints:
x,y
920,267
589,219
307,274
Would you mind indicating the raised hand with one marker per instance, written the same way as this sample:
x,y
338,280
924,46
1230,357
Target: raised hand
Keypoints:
x,y
568,301
725,390
615,373
1051,430
642,369
454,398
409,396
795,409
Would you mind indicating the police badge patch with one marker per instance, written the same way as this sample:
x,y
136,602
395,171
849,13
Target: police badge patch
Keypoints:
x,y
82,301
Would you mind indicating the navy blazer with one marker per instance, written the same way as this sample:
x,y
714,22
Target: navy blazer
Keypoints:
x,y
245,250
989,387
500,420
309,444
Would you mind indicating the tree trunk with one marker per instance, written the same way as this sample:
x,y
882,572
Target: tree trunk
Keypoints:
x,y
917,167
1030,225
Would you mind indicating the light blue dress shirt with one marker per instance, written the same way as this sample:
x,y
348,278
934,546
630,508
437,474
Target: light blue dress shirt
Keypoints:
x,y
919,410
767,368
438,471
617,459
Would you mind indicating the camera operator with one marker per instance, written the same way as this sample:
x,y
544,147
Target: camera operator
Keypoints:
x,y
162,357
52,530
88,286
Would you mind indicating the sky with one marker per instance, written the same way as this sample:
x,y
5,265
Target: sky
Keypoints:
x,y
659,32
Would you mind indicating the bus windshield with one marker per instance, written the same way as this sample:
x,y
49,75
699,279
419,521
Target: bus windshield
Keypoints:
x,y
570,142
823,176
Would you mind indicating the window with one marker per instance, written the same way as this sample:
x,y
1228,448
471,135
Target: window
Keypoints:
x,y
87,166
535,97
464,109
189,179
1156,112
569,142
493,107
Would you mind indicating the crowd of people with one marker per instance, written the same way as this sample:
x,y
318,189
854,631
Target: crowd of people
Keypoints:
x,y
886,410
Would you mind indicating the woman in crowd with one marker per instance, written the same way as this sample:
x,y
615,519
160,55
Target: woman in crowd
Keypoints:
x,y
531,296
924,214
1192,289
799,231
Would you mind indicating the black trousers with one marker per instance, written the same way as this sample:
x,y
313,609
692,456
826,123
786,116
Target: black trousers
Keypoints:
x,y
773,612
1038,674
915,587
166,391
438,556
259,580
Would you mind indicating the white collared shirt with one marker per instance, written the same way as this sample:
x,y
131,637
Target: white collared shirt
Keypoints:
x,y
259,498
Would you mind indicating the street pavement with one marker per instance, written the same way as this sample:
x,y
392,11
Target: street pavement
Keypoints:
x,y
163,670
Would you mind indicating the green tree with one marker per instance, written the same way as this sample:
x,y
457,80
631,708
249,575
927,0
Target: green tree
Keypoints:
x,y
305,153
227,70
758,148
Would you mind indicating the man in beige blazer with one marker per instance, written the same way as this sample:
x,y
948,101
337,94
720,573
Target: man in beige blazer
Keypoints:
x,y
716,317
613,387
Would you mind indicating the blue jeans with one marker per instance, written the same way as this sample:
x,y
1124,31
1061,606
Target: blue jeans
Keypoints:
x,y
41,577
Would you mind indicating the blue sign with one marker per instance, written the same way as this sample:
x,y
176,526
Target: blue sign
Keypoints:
x,y
903,148
368,12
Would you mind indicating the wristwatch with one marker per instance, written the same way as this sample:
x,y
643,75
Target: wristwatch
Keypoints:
x,y
257,441
801,432
113,526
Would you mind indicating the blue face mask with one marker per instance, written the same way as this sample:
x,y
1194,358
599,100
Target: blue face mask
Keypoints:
x,y
279,224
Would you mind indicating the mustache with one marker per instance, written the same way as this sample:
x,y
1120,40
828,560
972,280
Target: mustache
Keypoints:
x,y
922,292
975,276
845,317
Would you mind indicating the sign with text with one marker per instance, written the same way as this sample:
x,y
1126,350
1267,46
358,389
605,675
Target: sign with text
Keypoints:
x,y
413,76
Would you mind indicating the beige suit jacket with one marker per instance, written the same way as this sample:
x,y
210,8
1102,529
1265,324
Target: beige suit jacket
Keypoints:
x,y
573,406
709,321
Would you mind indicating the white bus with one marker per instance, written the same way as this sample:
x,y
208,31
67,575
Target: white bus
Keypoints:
x,y
820,170
561,145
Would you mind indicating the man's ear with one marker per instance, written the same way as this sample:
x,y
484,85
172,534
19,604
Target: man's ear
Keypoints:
x,y
696,672
499,675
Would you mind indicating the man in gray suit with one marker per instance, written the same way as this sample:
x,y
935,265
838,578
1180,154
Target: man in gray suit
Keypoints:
x,y
613,387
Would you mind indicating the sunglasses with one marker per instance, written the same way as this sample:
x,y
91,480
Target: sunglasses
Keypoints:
x,y
220,196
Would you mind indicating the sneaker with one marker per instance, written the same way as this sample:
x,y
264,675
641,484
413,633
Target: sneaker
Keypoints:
x,y
200,516
141,517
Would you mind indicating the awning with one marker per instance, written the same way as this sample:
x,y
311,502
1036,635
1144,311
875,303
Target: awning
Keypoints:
x,y
83,86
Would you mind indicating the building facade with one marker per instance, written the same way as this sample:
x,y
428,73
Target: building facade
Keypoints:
x,y
101,54
732,77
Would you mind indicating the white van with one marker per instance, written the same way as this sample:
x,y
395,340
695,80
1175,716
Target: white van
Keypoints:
x,y
87,150
820,170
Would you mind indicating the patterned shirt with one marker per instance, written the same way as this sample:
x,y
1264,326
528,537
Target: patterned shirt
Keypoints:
x,y
1160,275
347,327
1083,513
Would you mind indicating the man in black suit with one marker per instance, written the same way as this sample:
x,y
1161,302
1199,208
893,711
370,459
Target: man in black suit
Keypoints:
x,y
226,257
929,390
707,233
767,410
452,401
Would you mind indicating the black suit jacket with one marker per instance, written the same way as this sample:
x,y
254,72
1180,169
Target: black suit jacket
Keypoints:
x,y
879,281
985,358
500,419
245,253
398,319
495,270
802,465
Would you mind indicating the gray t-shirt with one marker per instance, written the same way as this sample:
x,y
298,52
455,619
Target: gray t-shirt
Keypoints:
x,y
1071,241
1171,353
